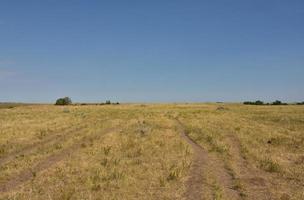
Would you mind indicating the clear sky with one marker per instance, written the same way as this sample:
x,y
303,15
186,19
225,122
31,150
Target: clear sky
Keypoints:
x,y
151,50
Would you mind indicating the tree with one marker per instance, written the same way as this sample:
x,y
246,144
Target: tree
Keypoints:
x,y
277,102
259,102
254,103
63,101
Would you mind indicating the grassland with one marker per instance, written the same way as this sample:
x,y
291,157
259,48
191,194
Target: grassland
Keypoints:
x,y
174,151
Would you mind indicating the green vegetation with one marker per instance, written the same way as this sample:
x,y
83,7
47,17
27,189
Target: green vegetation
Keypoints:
x,y
254,103
277,102
64,101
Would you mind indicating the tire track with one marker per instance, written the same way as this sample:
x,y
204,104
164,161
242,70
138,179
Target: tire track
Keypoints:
x,y
45,164
33,147
256,186
195,182
197,185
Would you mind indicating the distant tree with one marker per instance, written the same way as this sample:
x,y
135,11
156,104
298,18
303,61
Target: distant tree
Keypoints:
x,y
300,103
259,102
277,102
63,101
108,102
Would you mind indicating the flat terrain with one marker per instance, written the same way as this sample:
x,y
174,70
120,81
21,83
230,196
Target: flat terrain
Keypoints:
x,y
173,151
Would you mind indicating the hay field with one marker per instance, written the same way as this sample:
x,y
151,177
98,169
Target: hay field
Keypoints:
x,y
153,151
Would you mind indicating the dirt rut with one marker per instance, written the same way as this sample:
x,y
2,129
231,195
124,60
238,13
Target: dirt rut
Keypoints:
x,y
28,174
31,148
197,186
253,180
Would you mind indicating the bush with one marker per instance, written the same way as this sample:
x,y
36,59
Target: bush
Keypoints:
x,y
300,103
277,102
258,102
270,165
63,101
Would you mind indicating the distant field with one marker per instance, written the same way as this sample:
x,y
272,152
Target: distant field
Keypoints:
x,y
10,105
173,151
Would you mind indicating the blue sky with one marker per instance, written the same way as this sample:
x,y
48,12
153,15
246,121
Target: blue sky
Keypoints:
x,y
152,51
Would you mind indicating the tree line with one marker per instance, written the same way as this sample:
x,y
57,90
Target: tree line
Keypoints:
x,y
68,101
277,102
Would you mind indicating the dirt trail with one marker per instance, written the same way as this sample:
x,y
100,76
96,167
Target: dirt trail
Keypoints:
x,y
197,186
195,182
30,173
252,179
47,140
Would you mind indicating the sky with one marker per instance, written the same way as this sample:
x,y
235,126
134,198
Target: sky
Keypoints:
x,y
152,51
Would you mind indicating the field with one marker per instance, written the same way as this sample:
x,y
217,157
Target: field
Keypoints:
x,y
152,151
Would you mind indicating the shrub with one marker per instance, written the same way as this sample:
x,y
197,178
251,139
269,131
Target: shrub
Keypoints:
x,y
63,101
258,102
277,102
270,165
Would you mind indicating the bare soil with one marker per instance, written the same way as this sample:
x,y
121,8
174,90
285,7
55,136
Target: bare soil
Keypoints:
x,y
254,181
197,186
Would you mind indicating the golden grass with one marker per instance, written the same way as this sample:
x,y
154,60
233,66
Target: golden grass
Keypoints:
x,y
123,153
136,152
269,138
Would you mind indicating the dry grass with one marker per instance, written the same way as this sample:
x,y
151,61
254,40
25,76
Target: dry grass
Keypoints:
x,y
119,152
136,152
260,145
